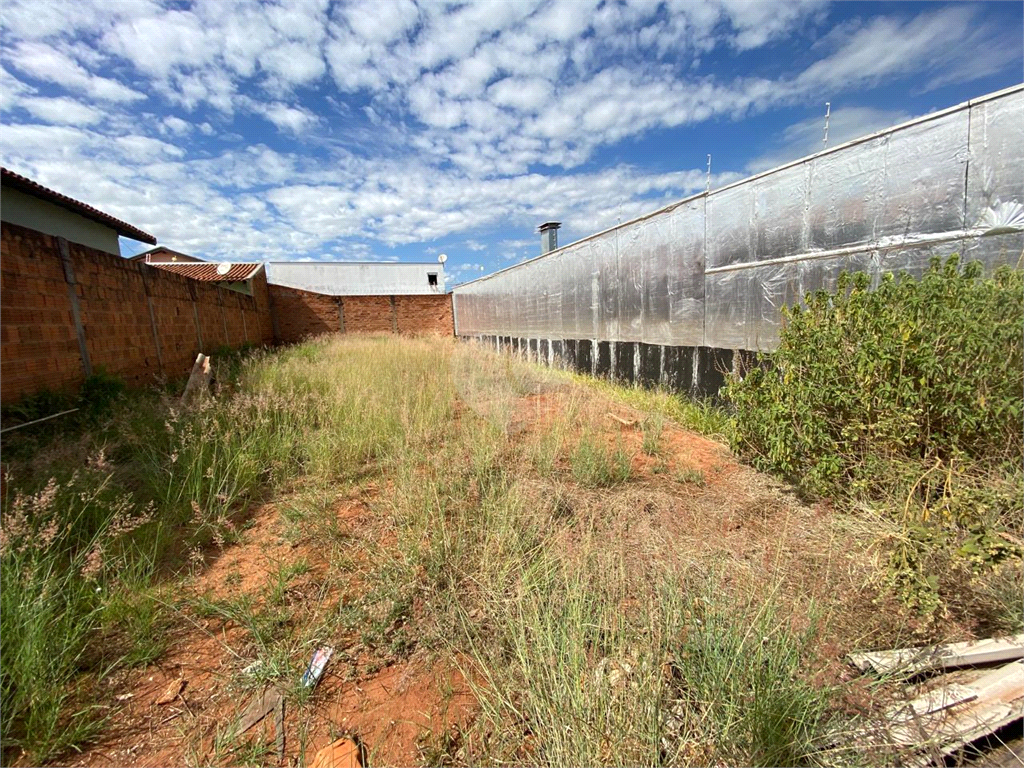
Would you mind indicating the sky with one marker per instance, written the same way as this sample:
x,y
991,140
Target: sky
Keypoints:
x,y
391,130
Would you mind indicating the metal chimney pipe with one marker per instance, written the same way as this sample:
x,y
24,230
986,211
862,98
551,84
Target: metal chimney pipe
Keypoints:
x,y
549,236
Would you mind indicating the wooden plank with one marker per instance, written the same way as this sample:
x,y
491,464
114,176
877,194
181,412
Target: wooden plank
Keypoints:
x,y
279,728
910,661
934,701
906,723
258,708
152,316
199,380
999,702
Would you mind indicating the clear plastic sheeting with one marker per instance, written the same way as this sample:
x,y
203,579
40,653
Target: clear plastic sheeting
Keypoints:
x,y
715,270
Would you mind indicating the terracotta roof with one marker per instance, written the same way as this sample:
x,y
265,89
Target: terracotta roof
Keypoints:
x,y
29,187
208,272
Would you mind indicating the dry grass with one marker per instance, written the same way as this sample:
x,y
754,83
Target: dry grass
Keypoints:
x,y
611,590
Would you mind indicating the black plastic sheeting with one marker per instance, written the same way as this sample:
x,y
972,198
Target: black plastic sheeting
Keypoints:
x,y
697,371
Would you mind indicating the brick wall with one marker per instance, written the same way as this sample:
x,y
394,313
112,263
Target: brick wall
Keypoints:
x,y
138,322
368,314
300,314
432,314
142,323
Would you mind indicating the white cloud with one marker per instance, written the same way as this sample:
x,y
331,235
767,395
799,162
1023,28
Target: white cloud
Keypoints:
x,y
43,62
61,110
176,126
286,118
947,42
400,123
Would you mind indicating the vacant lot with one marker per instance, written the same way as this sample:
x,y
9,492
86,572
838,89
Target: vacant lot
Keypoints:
x,y
513,565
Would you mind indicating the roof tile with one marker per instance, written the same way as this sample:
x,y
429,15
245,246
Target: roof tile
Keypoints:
x,y
208,272
34,188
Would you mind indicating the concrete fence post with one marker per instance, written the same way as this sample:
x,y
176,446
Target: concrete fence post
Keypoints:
x,y
341,313
394,316
223,319
273,315
195,312
76,310
152,315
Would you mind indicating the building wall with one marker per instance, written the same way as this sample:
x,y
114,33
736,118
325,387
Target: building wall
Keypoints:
x,y
27,211
301,314
160,254
357,279
137,322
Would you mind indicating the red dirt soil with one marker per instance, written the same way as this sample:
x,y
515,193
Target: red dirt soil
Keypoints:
x,y
388,711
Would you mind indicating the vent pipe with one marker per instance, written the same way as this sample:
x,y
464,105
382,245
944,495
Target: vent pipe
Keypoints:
x,y
549,236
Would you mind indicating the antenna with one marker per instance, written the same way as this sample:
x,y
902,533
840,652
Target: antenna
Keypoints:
x,y
707,189
224,267
828,111
442,258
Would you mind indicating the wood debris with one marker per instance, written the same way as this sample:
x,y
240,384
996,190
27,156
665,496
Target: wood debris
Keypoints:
x,y
258,708
912,661
624,423
951,714
198,385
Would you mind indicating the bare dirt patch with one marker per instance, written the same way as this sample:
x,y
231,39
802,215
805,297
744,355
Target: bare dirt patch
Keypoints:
x,y
283,584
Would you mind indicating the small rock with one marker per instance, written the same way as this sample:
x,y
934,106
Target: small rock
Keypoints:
x,y
344,753
173,691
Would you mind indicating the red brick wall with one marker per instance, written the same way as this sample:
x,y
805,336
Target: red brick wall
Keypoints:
x,y
368,314
40,348
300,314
425,314
39,341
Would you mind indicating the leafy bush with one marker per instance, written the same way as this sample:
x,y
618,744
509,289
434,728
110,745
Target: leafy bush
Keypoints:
x,y
927,370
908,399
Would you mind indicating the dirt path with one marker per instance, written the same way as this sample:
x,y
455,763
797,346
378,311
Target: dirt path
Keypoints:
x,y
692,502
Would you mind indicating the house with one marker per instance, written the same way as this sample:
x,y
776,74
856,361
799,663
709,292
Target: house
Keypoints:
x,y
236,277
26,203
164,254
354,278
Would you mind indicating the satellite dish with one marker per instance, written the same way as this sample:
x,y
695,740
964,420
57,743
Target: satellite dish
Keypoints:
x,y
224,267
443,258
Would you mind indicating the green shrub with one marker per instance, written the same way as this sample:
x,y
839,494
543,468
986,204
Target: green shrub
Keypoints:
x,y
927,370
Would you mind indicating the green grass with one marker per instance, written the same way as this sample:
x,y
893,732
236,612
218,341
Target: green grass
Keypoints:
x,y
704,417
141,483
504,533
653,426
598,466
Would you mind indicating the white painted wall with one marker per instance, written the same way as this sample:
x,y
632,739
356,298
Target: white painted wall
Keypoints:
x,y
27,211
340,278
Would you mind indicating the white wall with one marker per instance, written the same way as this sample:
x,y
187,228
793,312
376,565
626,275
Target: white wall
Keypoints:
x,y
27,211
356,278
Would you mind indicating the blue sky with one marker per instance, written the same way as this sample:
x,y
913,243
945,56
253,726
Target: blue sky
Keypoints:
x,y
398,131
